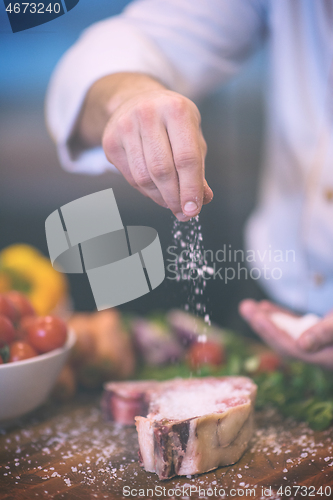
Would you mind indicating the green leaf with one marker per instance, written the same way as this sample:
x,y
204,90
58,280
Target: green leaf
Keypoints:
x,y
320,415
5,353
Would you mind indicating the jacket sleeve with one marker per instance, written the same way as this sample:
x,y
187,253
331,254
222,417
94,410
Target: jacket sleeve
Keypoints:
x,y
190,46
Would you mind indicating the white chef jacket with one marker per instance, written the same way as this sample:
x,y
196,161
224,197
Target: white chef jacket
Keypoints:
x,y
192,46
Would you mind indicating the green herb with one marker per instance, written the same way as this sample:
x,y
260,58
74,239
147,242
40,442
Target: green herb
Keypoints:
x,y
298,390
4,353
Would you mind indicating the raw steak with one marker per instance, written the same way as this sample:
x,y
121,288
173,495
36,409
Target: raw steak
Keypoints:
x,y
123,401
191,425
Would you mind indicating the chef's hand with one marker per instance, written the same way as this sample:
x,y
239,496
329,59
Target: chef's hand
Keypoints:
x,y
315,345
152,136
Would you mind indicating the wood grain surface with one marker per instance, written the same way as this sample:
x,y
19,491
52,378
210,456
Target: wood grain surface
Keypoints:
x,y
69,452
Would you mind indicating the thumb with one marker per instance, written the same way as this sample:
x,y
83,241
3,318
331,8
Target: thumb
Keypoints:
x,y
318,336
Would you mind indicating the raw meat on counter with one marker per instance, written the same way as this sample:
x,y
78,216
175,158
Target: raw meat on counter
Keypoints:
x,y
186,426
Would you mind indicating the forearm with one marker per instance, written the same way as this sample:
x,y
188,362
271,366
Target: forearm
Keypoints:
x,y
103,98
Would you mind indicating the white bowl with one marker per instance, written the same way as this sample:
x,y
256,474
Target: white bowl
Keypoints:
x,y
24,385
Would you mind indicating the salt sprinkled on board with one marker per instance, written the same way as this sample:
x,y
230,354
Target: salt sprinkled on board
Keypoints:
x,y
294,326
106,444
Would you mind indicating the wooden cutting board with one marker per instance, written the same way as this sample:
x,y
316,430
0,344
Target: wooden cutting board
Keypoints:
x,y
69,452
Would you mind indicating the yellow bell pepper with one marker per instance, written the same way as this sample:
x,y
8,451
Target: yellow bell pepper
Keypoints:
x,y
25,269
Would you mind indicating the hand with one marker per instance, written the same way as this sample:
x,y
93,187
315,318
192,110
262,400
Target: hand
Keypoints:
x,y
258,315
153,137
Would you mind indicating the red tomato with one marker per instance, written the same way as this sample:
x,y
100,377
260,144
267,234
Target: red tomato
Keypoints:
x,y
22,329
7,308
47,333
268,362
20,350
205,353
21,303
7,331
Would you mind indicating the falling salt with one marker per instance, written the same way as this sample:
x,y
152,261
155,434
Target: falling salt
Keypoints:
x,y
190,265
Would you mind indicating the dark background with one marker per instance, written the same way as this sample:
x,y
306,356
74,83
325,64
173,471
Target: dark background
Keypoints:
x,y
32,183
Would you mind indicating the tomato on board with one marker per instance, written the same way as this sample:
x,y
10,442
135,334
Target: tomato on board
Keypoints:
x,y
20,350
7,308
7,331
47,333
205,353
21,303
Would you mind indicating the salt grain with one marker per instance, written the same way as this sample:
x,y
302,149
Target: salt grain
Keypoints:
x,y
191,270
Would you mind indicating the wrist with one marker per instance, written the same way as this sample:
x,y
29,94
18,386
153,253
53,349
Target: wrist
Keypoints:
x,y
103,98
121,87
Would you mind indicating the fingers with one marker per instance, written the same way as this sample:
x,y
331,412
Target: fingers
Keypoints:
x,y
188,149
159,160
123,148
207,193
137,169
158,146
258,315
253,313
247,308
318,336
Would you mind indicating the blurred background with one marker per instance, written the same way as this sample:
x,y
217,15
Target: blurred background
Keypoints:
x,y
33,184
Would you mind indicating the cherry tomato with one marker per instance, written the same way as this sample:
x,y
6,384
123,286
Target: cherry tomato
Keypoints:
x,y
7,308
205,353
7,331
20,350
268,362
22,329
47,333
21,303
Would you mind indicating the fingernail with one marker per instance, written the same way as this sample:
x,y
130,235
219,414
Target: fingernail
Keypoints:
x,y
190,207
182,217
